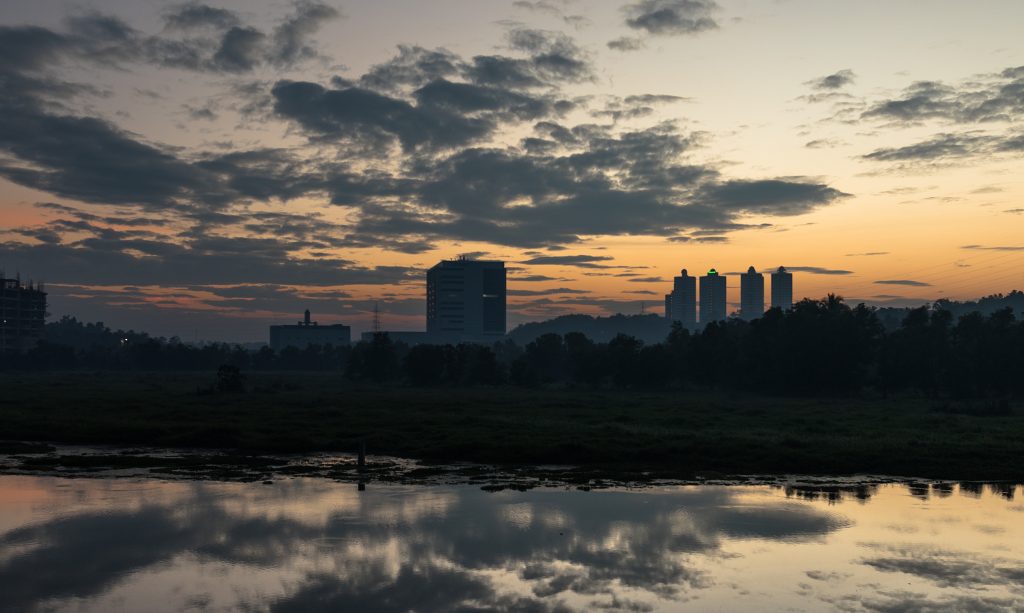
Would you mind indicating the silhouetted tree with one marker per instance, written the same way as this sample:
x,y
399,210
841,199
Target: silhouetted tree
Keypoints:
x,y
425,364
375,360
546,358
818,347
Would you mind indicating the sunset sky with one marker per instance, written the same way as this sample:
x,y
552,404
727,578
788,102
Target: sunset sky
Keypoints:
x,y
205,170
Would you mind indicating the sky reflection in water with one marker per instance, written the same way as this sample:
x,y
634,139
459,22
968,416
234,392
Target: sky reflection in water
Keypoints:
x,y
311,545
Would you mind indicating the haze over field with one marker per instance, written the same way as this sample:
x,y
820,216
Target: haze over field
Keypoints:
x,y
208,169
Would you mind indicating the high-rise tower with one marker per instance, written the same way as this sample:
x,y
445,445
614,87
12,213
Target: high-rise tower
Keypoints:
x,y
466,300
751,294
782,289
712,297
681,304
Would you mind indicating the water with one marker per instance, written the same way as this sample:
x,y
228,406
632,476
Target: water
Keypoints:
x,y
88,544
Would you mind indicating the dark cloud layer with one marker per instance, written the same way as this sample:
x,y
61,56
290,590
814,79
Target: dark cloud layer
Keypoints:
x,y
437,109
412,152
197,37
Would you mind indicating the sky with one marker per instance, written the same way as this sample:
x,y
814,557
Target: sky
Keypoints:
x,y
206,170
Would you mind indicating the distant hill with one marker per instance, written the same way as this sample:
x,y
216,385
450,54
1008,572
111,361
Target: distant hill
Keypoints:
x,y
986,305
648,328
891,317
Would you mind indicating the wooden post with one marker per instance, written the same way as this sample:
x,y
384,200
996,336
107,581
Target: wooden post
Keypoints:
x,y
362,454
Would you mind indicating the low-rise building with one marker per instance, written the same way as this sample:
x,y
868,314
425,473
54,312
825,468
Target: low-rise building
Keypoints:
x,y
306,333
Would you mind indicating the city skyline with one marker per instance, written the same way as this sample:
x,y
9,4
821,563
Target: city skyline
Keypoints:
x,y
202,170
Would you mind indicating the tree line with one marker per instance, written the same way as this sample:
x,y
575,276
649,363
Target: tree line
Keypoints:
x,y
819,347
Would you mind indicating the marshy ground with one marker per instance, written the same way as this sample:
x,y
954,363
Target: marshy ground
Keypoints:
x,y
616,434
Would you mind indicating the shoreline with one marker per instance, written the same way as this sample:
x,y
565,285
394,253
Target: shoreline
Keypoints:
x,y
109,462
679,435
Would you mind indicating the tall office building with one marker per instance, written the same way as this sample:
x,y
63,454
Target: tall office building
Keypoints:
x,y
751,294
22,315
681,304
466,300
782,289
712,297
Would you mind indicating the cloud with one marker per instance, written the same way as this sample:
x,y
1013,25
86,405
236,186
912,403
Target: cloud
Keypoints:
x,y
197,38
945,568
91,160
549,8
241,50
434,100
361,115
813,270
632,107
1012,144
104,256
533,278
988,98
545,292
939,147
540,6
292,38
671,17
867,254
974,104
906,282
823,143
195,15
626,43
834,81
771,196
412,67
992,248
581,261
554,56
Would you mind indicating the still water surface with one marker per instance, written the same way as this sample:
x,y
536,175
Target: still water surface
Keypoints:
x,y
317,545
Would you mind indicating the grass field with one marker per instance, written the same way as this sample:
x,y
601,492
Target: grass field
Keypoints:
x,y
674,434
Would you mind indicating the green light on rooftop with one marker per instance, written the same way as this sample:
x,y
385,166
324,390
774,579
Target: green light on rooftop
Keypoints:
x,y
712,273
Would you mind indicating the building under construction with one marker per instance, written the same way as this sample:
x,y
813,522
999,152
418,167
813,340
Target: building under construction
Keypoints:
x,y
22,314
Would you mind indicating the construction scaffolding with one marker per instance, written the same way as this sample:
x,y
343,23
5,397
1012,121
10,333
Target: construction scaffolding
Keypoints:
x,y
22,314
